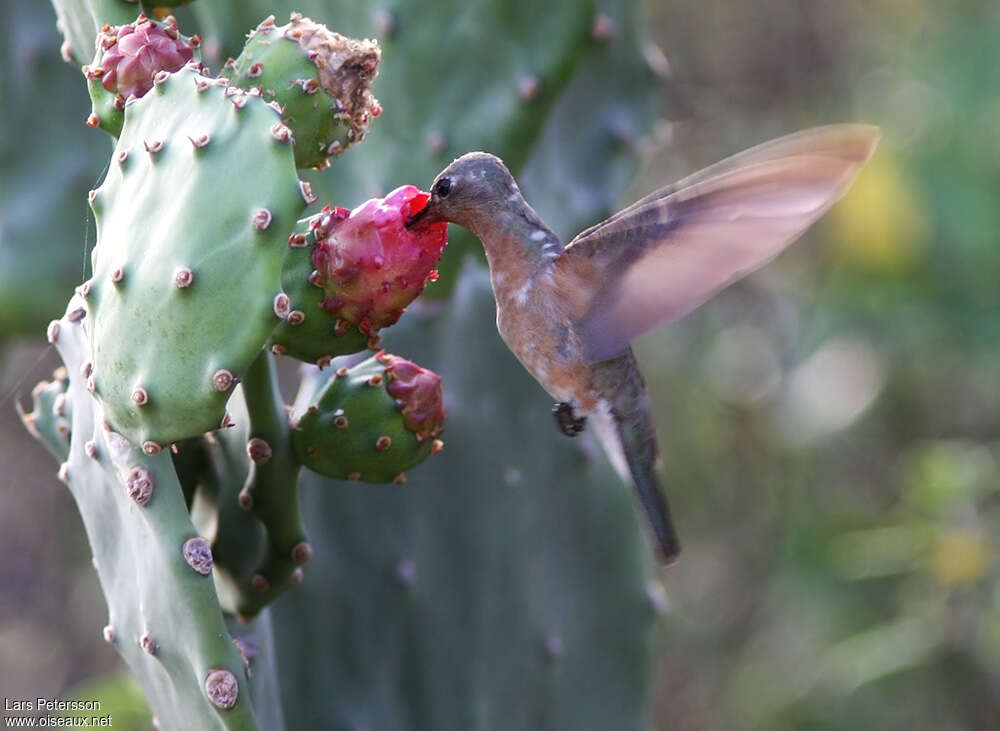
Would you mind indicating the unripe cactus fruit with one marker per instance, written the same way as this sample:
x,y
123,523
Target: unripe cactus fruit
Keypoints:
x,y
370,265
321,80
371,422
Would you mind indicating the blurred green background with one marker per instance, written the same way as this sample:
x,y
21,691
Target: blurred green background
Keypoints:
x,y
829,426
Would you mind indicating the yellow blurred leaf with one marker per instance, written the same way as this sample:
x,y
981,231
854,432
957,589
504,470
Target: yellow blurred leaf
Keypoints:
x,y
880,224
959,558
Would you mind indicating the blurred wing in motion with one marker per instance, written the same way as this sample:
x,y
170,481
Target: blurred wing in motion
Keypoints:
x,y
671,251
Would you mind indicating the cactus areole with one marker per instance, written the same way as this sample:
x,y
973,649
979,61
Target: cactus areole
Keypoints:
x,y
369,264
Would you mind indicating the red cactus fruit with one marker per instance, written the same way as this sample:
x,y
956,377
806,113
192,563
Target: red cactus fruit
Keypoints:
x,y
370,266
133,54
418,393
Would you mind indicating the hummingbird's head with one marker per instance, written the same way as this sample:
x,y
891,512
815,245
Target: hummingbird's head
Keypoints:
x,y
468,191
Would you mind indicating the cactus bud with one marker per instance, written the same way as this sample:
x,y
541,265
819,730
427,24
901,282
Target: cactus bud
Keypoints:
x,y
139,51
131,59
418,394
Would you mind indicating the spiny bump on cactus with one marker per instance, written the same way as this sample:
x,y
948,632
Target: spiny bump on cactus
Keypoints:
x,y
130,60
371,422
319,79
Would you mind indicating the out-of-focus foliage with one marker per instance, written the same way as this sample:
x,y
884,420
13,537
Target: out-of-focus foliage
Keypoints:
x,y
831,426
120,698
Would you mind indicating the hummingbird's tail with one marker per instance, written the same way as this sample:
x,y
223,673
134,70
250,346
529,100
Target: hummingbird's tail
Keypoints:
x,y
625,428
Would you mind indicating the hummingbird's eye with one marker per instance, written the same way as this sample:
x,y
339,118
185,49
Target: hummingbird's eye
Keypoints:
x,y
443,187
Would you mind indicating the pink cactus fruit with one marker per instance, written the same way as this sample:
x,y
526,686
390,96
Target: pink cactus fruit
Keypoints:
x,y
133,54
370,266
418,394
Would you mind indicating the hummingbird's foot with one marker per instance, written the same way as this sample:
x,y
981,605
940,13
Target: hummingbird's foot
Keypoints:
x,y
568,422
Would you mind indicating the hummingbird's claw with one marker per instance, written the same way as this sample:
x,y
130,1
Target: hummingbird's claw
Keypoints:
x,y
568,422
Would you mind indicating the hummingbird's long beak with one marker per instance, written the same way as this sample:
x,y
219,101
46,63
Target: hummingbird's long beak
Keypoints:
x,y
424,217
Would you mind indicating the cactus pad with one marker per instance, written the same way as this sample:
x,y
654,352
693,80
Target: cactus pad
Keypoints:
x,y
371,422
147,555
186,274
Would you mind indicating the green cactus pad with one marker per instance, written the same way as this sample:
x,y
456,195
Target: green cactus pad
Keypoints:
x,y
154,568
186,273
320,78
351,425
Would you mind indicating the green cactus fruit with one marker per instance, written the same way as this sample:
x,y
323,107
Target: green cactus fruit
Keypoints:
x,y
371,422
363,268
127,61
321,80
186,279
155,569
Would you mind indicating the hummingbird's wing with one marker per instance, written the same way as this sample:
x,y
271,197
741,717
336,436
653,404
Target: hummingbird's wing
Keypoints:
x,y
669,252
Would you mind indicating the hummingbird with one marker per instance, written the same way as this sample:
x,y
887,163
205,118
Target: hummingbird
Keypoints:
x,y
569,312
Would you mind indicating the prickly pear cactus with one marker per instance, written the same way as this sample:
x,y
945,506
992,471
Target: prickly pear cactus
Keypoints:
x,y
179,651
504,586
